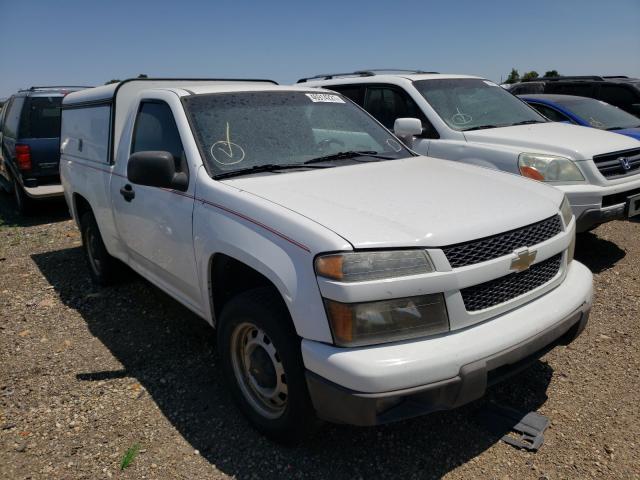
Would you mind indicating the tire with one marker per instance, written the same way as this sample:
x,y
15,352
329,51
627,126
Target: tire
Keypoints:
x,y
103,268
24,203
255,326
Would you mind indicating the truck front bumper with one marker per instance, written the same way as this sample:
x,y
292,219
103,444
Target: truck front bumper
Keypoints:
x,y
444,372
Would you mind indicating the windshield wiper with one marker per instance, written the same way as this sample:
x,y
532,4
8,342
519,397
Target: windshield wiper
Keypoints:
x,y
349,155
526,122
481,127
267,167
621,128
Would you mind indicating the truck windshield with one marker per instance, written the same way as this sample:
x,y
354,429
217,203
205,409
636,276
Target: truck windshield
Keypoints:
x,y
600,114
41,117
244,131
474,104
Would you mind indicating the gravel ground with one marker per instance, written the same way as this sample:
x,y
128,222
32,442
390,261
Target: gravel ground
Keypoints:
x,y
87,373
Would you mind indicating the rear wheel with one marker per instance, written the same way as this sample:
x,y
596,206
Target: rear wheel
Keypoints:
x,y
262,363
103,268
24,203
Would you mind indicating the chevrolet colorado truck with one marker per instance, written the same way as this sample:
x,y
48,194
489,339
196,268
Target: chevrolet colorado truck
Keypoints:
x,y
473,120
347,278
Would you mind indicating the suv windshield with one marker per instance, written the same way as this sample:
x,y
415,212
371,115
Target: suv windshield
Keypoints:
x,y
600,114
243,130
472,104
41,117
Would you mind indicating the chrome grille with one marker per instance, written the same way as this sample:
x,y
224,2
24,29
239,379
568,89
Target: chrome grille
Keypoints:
x,y
488,248
611,165
503,289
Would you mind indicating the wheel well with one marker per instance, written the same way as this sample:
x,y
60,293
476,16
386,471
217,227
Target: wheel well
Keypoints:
x,y
229,277
81,205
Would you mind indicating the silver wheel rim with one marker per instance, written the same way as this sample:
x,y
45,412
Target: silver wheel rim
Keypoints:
x,y
92,240
258,369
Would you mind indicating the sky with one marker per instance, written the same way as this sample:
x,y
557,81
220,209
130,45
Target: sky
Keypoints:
x,y
89,42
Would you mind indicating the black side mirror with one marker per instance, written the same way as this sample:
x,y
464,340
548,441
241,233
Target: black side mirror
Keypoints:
x,y
156,169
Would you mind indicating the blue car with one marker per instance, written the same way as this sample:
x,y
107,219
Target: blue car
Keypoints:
x,y
585,111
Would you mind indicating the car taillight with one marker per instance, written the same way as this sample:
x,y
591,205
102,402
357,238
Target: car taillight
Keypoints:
x,y
23,157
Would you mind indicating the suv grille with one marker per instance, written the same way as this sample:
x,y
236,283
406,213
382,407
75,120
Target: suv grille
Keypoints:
x,y
488,248
503,289
611,165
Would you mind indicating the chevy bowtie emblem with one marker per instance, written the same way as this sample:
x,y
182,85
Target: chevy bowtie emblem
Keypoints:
x,y
524,259
624,163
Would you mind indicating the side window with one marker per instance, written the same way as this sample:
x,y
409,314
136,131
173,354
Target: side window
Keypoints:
x,y
352,92
550,113
524,88
156,130
581,89
387,104
12,117
618,95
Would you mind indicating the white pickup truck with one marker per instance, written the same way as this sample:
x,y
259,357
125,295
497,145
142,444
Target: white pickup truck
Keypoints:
x,y
472,120
348,278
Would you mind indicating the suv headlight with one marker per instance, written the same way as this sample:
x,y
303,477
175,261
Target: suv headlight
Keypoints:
x,y
566,211
362,266
370,323
549,168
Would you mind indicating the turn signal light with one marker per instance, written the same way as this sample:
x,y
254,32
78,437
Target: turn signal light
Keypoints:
x,y
531,172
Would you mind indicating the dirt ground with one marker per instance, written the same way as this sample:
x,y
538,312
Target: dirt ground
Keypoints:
x,y
87,373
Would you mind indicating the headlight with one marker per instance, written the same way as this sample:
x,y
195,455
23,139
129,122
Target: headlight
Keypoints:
x,y
357,324
548,168
566,211
361,266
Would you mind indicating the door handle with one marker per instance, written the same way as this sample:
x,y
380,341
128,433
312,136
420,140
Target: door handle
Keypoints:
x,y
127,192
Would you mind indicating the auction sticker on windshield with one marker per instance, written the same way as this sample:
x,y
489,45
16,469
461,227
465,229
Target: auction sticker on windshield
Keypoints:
x,y
324,97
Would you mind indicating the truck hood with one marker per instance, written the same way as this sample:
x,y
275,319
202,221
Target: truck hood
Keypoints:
x,y
572,141
417,201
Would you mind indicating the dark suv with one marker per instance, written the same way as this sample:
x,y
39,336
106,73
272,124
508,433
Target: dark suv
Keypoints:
x,y
621,91
30,141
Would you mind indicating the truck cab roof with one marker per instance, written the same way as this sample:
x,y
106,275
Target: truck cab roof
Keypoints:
x,y
120,95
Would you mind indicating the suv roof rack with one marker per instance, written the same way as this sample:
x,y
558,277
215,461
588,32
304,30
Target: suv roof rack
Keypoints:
x,y
53,87
566,77
369,72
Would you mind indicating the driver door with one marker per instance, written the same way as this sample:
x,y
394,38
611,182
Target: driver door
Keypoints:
x,y
156,223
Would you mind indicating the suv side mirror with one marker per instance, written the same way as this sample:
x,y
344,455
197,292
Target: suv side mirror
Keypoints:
x,y
156,169
407,127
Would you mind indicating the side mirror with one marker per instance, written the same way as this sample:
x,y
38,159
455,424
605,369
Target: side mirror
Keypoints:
x,y
407,127
156,169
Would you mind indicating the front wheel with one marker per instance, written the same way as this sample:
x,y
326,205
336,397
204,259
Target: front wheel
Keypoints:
x,y
262,363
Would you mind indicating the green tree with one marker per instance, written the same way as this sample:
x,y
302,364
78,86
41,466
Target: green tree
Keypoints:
x,y
514,76
113,80
143,75
530,75
551,73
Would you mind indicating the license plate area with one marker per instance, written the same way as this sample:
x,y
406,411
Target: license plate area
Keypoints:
x,y
633,206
